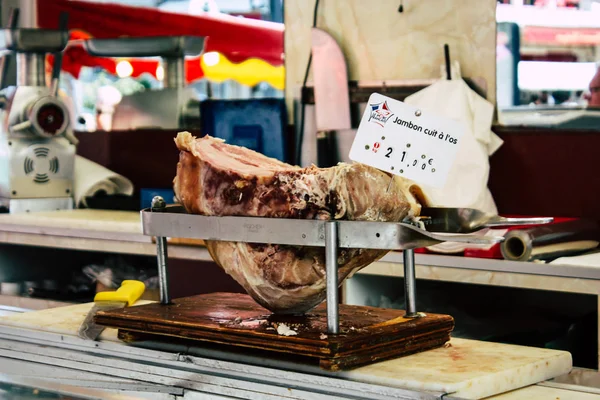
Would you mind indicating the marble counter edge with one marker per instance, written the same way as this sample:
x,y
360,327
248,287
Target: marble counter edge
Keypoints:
x,y
537,372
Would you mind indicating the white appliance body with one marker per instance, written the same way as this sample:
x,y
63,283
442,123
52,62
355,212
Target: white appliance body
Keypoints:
x,y
37,151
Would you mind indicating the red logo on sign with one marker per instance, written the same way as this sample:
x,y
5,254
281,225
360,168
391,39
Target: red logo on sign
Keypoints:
x,y
375,147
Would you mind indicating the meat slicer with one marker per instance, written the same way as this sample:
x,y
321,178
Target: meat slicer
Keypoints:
x,y
166,108
37,145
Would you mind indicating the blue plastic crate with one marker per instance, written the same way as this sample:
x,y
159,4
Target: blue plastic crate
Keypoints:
x,y
258,124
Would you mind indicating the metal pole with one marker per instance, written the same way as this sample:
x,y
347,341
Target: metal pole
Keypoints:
x,y
159,205
28,13
331,265
13,23
410,293
31,69
174,68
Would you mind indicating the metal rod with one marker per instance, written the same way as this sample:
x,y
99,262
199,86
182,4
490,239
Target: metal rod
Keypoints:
x,y
410,295
174,68
159,205
331,265
163,273
447,59
63,25
13,22
31,69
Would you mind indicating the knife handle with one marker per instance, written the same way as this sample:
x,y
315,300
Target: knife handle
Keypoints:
x,y
129,292
326,149
322,152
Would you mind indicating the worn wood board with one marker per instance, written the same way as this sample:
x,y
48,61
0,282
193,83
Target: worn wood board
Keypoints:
x,y
367,334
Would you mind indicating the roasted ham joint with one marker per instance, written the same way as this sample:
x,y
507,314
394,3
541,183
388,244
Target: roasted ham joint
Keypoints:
x,y
217,179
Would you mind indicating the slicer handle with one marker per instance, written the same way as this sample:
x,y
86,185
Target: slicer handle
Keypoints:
x,y
21,126
70,136
129,292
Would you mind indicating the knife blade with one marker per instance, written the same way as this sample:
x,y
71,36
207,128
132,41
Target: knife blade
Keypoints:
x,y
126,295
332,100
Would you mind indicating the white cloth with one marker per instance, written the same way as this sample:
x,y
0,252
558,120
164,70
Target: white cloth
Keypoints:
x,y
587,260
468,178
467,181
92,178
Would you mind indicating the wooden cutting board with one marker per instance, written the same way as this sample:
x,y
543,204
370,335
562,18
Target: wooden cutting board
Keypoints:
x,y
367,334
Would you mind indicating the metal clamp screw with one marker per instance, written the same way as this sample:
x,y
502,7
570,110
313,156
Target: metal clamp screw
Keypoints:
x,y
158,203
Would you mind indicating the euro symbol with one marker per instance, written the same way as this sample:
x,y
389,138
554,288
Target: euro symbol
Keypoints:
x,y
430,161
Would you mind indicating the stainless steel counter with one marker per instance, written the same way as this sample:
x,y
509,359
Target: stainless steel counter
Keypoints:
x,y
173,370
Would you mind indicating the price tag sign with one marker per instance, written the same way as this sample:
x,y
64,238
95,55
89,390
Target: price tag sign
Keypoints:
x,y
407,141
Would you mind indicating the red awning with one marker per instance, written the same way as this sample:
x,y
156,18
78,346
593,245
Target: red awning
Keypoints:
x,y
238,39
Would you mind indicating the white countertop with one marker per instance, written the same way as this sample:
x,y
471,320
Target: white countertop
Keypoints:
x,y
464,368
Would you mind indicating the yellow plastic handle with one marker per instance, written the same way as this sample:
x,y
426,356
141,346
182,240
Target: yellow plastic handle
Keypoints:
x,y
129,292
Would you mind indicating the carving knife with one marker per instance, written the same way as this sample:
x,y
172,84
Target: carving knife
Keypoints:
x,y
129,292
469,220
332,100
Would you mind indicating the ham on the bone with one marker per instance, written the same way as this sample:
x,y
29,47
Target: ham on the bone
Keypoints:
x,y
218,179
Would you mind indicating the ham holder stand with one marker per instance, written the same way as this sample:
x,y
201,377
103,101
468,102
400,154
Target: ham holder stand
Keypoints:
x,y
338,336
